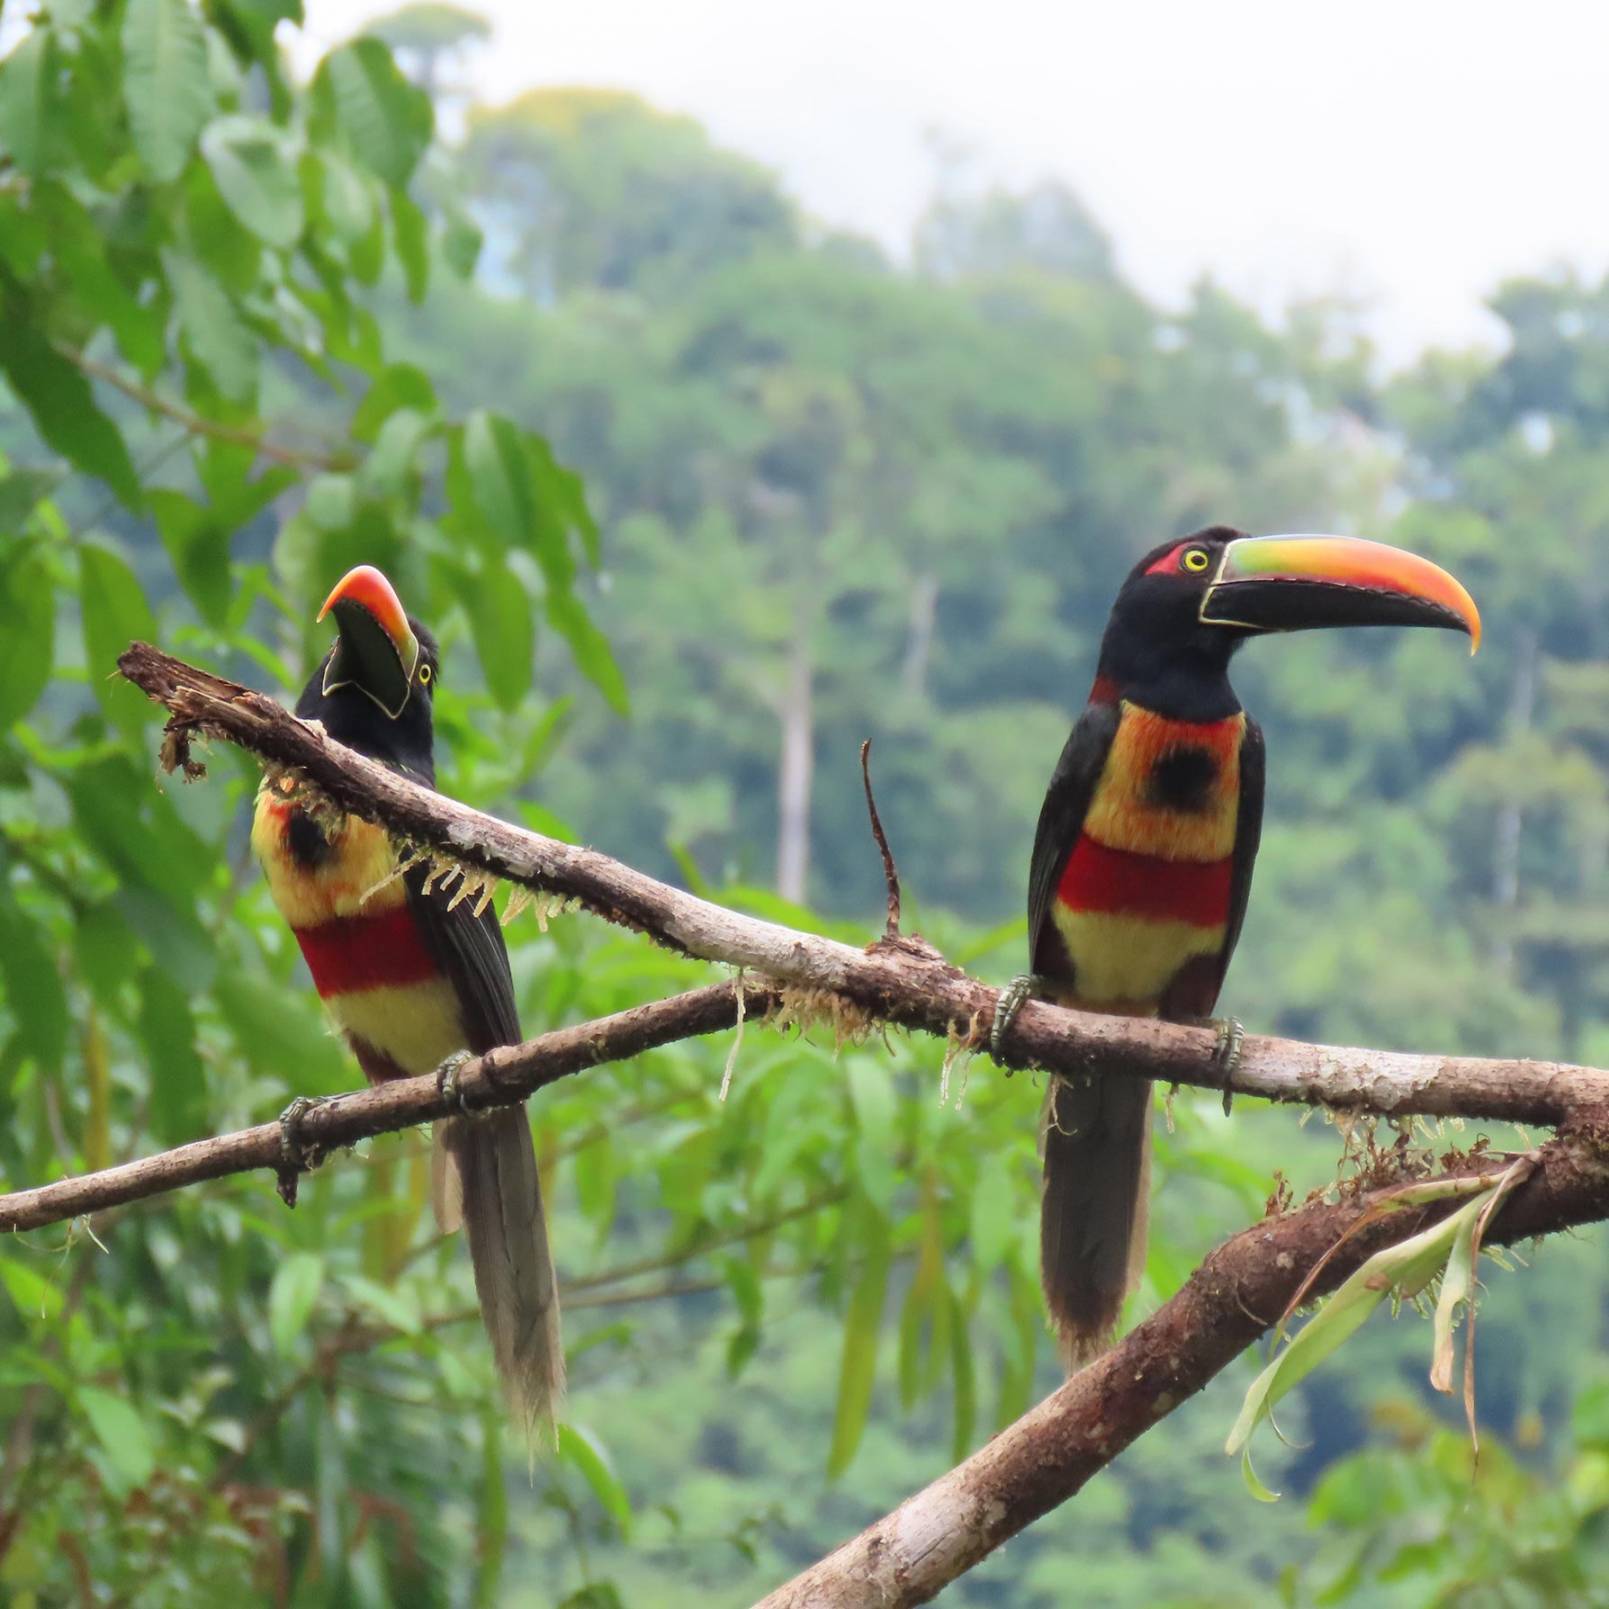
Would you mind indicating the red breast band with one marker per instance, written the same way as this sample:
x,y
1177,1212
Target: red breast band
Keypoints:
x,y
366,952
1124,883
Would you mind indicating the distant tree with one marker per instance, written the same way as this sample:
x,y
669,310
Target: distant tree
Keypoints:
x,y
427,38
1046,227
596,188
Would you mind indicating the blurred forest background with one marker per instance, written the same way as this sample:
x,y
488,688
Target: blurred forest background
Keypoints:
x,y
255,330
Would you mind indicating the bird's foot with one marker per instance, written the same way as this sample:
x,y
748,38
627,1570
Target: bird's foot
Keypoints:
x,y
447,1080
1008,1005
1226,1054
296,1156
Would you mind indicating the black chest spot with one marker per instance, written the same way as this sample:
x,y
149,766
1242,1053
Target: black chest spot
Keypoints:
x,y
305,839
1183,779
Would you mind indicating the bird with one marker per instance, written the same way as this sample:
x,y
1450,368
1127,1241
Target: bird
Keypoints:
x,y
1142,860
414,980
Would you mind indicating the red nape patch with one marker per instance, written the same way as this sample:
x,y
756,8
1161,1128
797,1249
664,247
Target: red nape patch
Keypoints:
x,y
366,952
1105,690
1120,882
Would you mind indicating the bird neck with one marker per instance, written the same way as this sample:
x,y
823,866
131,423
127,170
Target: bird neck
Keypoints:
x,y
1182,681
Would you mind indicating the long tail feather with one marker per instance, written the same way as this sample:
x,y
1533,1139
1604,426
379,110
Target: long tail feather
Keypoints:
x,y
504,1221
1097,1161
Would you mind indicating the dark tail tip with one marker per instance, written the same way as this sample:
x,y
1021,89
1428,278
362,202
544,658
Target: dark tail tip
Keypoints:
x,y
1097,1149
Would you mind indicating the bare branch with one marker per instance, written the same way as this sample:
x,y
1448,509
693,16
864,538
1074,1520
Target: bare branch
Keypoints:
x,y
900,981
499,1078
1045,1457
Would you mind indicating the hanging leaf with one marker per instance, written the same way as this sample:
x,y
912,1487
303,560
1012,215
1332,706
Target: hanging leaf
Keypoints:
x,y
500,476
1401,1271
254,164
123,1434
579,1447
63,406
34,990
291,1297
214,334
115,614
27,121
386,121
27,644
166,82
593,655
857,1370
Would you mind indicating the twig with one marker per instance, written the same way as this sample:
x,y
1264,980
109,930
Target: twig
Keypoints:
x,y
890,871
197,424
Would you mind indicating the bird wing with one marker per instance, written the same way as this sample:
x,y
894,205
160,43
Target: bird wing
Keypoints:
x,y
1072,785
470,952
1248,833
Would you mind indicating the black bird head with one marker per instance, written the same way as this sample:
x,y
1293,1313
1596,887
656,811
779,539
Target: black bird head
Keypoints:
x,y
374,688
1188,604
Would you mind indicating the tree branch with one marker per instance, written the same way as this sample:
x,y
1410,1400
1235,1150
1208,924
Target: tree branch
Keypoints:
x,y
499,1078
196,424
1237,1294
901,981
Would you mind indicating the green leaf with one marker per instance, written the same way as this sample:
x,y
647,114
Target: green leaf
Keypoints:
x,y
966,1386
115,614
461,242
215,335
283,1042
579,1447
491,1519
399,385
392,466
561,497
500,476
505,634
27,644
291,1297
1402,1270
27,132
410,231
34,990
994,1214
254,165
63,406
198,545
21,492
178,1080
593,655
123,1434
386,121
36,1298
166,82
858,1368
105,950
871,1094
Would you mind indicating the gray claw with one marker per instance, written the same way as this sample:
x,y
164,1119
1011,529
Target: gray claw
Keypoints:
x,y
1007,1006
296,1155
1226,1054
447,1080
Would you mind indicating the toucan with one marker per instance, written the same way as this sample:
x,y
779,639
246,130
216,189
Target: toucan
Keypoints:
x,y
1143,857
414,978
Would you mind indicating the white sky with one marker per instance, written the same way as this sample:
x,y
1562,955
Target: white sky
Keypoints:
x,y
1409,153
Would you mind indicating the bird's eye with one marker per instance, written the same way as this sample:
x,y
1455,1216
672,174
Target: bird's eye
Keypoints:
x,y
1195,560
425,675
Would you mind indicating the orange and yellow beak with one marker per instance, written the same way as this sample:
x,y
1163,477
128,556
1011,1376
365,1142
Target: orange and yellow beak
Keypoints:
x,y
377,650
1291,583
